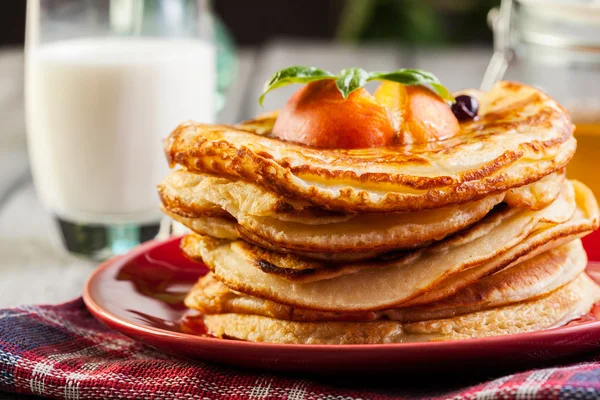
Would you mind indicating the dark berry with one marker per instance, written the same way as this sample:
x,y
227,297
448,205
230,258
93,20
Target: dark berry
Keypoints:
x,y
465,107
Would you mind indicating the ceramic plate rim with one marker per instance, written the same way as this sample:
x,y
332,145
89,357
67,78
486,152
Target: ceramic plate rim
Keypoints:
x,y
105,317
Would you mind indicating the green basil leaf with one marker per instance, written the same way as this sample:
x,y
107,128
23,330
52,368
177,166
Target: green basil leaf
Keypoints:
x,y
351,79
414,77
295,74
443,91
405,74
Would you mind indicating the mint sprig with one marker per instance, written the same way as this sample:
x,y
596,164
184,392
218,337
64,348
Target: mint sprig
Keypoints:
x,y
351,79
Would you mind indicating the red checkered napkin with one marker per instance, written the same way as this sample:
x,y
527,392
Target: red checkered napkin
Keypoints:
x,y
63,352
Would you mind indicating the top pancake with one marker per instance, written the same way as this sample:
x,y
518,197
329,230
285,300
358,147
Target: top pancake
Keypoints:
x,y
521,136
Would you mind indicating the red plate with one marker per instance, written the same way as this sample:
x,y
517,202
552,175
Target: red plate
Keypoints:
x,y
141,294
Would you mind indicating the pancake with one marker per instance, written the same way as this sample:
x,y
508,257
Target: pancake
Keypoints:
x,y
227,228
210,296
257,328
202,195
493,244
261,124
301,230
509,225
536,195
217,227
557,308
524,281
335,257
520,136
584,221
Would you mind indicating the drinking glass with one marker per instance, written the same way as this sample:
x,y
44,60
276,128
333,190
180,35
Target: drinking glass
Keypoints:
x,y
106,82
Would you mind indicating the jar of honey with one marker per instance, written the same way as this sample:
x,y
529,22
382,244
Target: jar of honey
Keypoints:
x,y
555,46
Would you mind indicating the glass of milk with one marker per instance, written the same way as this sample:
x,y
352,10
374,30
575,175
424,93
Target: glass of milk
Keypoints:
x,y
106,82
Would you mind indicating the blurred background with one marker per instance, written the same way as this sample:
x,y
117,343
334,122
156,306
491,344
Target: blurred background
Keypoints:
x,y
252,23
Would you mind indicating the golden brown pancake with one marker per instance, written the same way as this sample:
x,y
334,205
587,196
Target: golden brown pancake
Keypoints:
x,y
257,328
525,281
491,245
584,221
263,220
561,306
210,296
217,227
557,308
520,136
536,195
511,225
261,124
225,228
204,195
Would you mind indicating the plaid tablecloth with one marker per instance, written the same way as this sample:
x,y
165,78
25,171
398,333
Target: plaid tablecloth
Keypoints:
x,y
63,352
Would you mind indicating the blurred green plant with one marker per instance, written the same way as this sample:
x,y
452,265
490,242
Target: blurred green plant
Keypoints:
x,y
416,22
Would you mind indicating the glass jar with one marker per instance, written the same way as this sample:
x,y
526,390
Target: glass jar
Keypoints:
x,y
106,82
555,45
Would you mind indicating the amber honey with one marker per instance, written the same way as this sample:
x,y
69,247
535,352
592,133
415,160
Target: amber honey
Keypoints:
x,y
585,165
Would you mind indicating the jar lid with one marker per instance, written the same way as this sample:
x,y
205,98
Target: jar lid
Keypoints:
x,y
571,24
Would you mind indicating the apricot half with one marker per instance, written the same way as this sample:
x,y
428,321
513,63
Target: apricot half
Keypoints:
x,y
317,115
417,113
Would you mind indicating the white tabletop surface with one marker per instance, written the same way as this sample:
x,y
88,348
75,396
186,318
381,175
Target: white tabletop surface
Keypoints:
x,y
33,266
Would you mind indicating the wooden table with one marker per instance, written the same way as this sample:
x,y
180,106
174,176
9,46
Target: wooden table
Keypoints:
x,y
33,266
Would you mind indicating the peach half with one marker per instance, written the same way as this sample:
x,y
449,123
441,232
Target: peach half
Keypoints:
x,y
317,115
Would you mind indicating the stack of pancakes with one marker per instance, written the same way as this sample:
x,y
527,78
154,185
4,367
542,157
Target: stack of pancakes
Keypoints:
x,y
473,236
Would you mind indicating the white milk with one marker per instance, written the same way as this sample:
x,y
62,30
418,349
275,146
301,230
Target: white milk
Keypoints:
x,y
97,113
